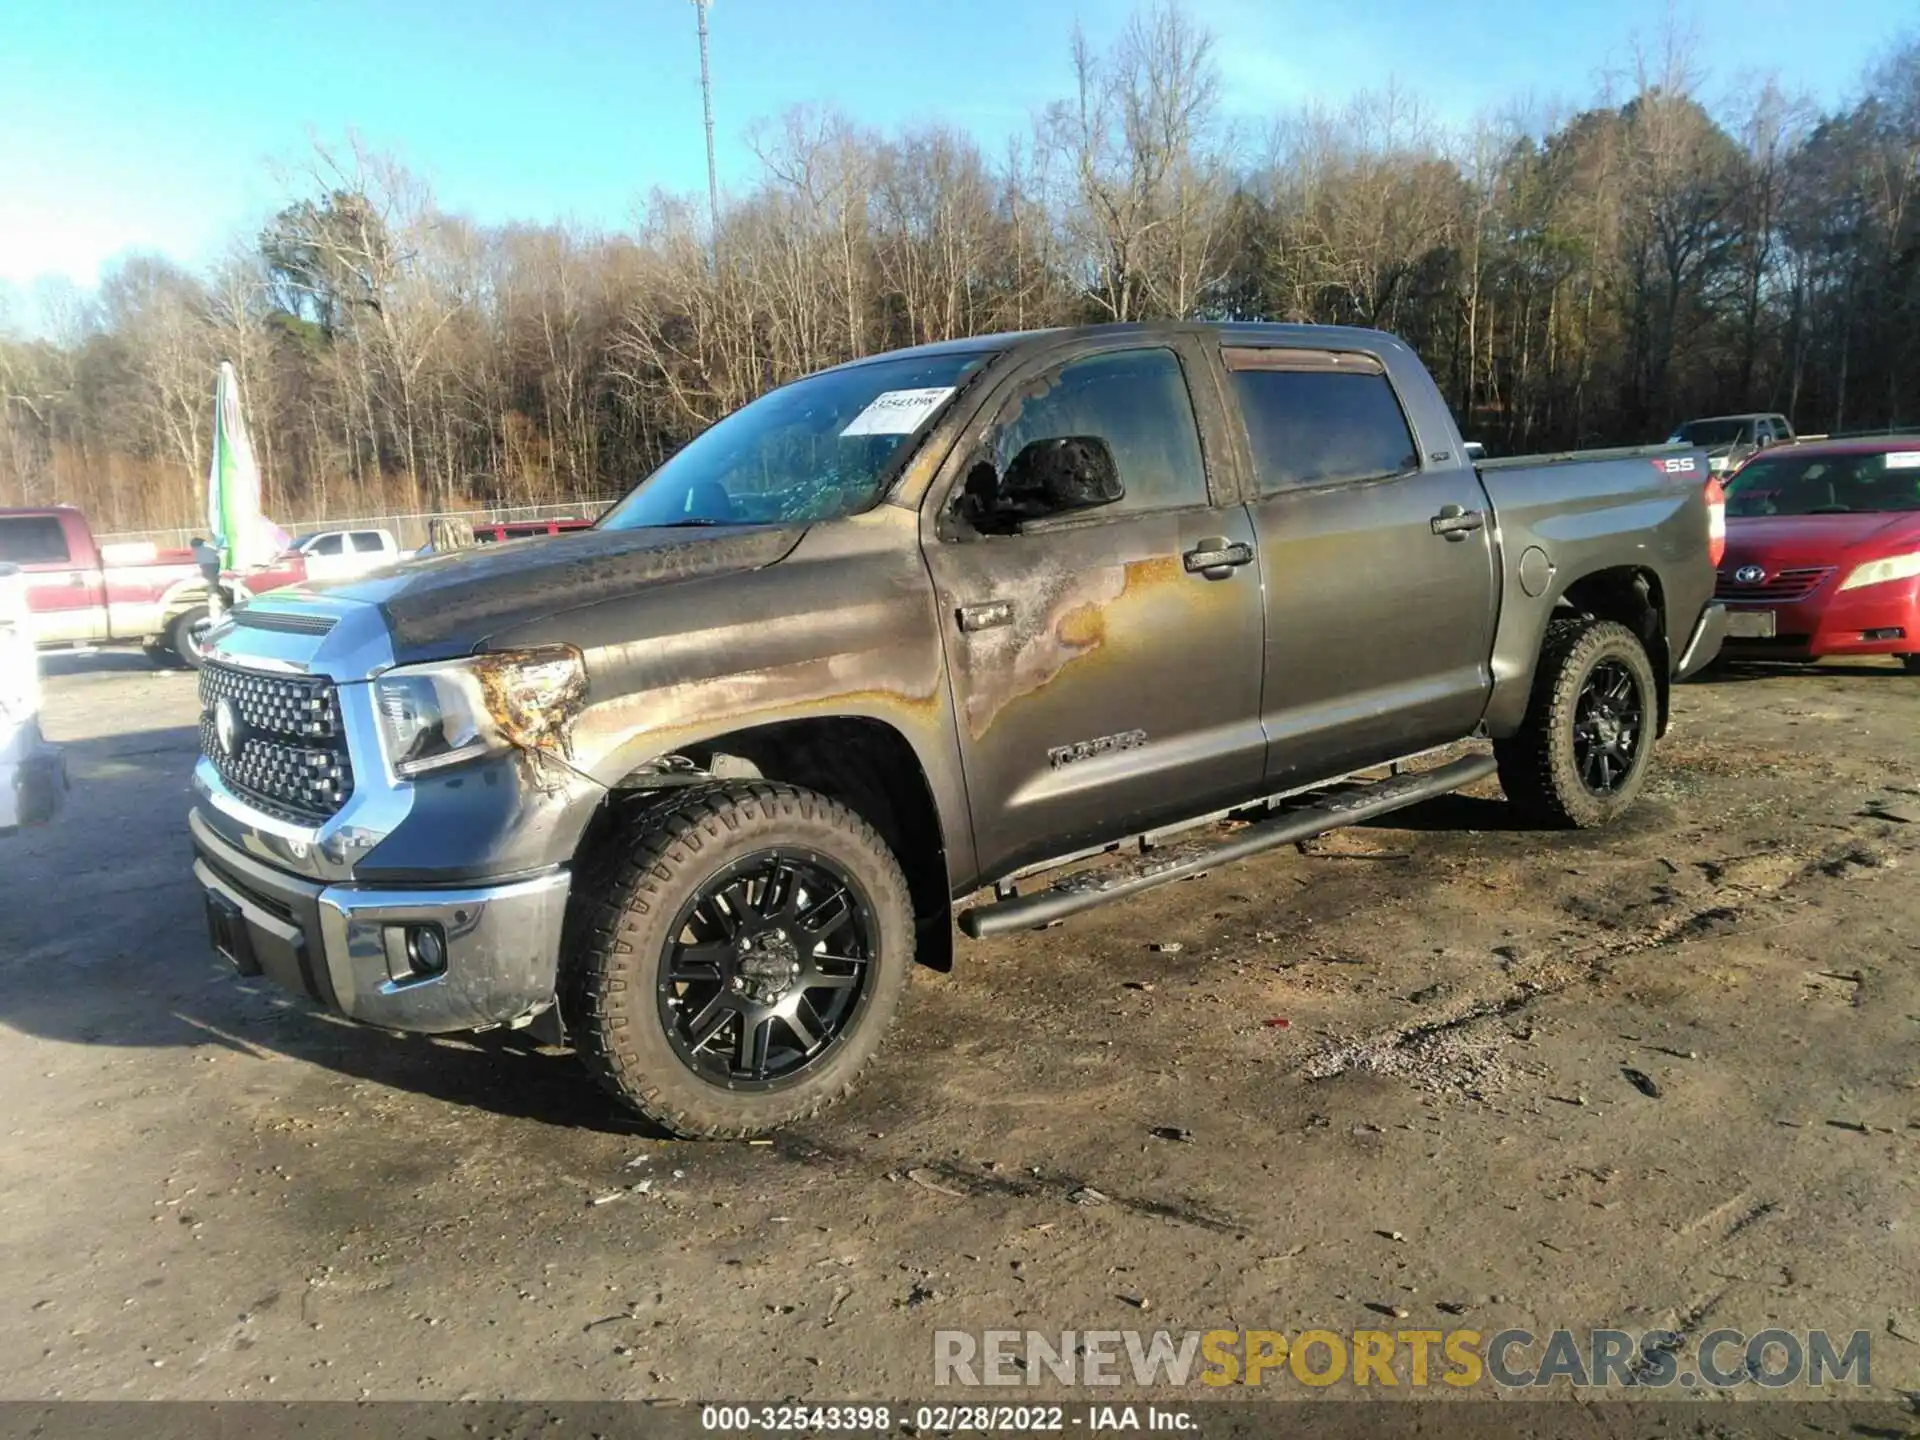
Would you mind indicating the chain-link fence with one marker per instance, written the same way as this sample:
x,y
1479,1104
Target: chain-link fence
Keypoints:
x,y
410,531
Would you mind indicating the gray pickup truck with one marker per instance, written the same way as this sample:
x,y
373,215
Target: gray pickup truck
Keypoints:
x,y
693,789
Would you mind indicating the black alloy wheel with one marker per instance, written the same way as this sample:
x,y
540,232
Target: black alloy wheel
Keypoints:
x,y
769,966
1609,727
1580,755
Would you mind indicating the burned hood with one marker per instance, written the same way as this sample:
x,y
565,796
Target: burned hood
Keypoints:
x,y
443,604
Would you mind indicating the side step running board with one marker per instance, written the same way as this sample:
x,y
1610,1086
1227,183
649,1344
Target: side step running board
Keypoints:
x,y
1348,806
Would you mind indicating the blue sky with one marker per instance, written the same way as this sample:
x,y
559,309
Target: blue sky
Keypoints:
x,y
157,124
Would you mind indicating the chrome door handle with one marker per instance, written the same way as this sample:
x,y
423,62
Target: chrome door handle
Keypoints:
x,y
986,615
1217,558
1456,523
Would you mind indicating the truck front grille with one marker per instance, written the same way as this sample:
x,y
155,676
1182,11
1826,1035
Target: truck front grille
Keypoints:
x,y
283,746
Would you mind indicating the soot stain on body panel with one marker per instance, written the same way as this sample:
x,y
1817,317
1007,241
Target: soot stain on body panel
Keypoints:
x,y
456,597
614,736
1060,616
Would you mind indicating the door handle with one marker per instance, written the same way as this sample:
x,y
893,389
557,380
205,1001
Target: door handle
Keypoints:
x,y
1456,522
987,615
1217,557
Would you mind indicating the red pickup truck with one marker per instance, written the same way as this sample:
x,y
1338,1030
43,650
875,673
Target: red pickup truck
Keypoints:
x,y
82,593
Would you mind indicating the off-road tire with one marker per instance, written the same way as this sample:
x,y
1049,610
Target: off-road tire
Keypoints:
x,y
179,636
626,895
1537,766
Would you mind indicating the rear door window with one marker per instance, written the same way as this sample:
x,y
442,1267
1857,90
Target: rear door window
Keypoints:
x,y
1321,425
33,540
367,542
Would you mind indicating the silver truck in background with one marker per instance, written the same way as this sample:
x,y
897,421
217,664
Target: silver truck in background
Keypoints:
x,y
1732,440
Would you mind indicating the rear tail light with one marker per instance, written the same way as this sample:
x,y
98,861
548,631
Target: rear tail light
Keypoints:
x,y
1716,521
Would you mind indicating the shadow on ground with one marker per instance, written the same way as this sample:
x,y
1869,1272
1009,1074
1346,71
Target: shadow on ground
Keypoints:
x,y
103,941
114,661
1737,672
1453,813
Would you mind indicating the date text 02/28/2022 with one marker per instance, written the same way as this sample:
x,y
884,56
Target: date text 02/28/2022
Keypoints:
x,y
947,1419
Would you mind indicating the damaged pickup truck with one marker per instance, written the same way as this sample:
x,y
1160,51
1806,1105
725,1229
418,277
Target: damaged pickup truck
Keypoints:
x,y
693,789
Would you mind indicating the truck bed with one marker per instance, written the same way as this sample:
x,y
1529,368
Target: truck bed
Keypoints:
x,y
1582,457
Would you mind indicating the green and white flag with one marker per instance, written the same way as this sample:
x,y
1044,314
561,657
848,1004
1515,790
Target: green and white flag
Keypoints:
x,y
244,537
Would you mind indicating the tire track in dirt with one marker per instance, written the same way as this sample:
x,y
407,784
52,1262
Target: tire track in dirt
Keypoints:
x,y
1748,894
961,1182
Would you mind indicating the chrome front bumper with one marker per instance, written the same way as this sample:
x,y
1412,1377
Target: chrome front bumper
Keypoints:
x,y
346,946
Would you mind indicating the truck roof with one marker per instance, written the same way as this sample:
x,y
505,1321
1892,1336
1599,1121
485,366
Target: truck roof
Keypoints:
x,y
6,512
1245,332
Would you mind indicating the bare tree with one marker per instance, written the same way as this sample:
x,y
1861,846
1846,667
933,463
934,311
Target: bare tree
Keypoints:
x,y
1585,277
1151,183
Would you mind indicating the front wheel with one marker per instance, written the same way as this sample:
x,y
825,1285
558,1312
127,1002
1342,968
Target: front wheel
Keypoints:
x,y
1912,664
187,635
734,958
1581,756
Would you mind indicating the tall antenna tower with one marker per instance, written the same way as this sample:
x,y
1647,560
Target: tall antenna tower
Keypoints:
x,y
706,104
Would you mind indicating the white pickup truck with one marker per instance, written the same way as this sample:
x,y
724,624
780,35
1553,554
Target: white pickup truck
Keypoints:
x,y
346,554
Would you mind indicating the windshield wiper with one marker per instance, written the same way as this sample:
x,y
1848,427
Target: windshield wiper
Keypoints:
x,y
690,522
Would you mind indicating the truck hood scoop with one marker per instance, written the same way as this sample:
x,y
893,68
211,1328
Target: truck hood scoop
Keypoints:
x,y
464,596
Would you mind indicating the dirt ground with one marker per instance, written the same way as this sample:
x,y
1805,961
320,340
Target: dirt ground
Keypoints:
x,y
1380,1076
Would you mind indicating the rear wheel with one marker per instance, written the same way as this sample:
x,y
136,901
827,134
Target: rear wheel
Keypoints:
x,y
734,958
187,635
1582,754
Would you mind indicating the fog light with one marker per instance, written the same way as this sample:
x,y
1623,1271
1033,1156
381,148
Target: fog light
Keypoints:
x,y
426,949
1890,632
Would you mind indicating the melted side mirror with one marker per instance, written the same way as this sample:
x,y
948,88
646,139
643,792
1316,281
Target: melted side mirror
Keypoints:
x,y
1070,472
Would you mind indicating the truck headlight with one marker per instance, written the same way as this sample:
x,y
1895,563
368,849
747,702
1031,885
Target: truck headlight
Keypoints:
x,y
451,711
1879,572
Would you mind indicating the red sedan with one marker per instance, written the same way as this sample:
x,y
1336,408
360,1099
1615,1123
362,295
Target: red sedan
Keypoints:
x,y
1823,552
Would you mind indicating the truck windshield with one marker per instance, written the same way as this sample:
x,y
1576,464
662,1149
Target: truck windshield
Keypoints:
x,y
1714,432
817,449
1826,484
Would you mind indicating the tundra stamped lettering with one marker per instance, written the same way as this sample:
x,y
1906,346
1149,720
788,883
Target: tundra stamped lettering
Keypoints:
x,y
1101,745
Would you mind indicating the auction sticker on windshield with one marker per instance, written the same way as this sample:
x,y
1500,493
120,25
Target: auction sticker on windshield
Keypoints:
x,y
1896,459
898,412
